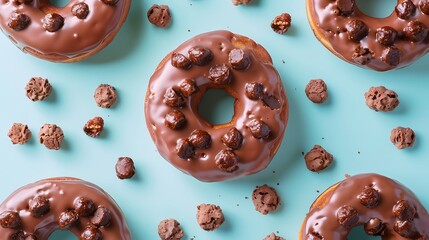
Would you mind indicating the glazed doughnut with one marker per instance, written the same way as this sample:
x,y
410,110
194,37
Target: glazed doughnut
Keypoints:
x,y
376,43
37,210
230,62
383,206
62,34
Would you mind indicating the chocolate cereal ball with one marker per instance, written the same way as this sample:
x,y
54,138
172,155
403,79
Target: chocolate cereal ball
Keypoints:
x,y
125,168
273,236
38,89
317,159
51,136
240,2
169,229
159,15
19,133
317,91
402,137
281,23
209,216
105,96
265,199
381,99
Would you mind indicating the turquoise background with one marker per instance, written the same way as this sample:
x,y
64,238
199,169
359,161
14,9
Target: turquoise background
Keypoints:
x,y
357,136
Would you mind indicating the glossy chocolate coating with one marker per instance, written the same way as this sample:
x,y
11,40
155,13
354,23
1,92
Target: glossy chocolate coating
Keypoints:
x,y
254,154
322,217
62,193
330,27
75,38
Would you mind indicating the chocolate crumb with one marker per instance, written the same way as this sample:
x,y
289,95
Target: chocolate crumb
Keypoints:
x,y
381,99
209,216
240,2
402,137
38,89
51,136
281,23
19,133
362,56
105,96
125,168
94,127
273,236
265,199
169,229
317,159
317,91
159,15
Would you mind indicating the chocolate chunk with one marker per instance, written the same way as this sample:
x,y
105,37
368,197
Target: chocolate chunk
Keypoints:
x,y
362,56
159,15
391,56
402,137
220,74
52,22
39,206
226,160
200,139
18,21
83,206
173,99
405,9
169,229
316,90
67,219
369,197
381,99
406,229
357,30
281,23
200,55
259,128
94,127
415,31
239,59
125,168
317,159
233,138
91,233
179,60
184,149
345,7
314,236
209,216
19,133
254,90
404,211
51,136
424,6
10,219
265,199
175,119
273,236
347,216
374,227
386,35
110,2
240,2
188,87
105,96
101,217
80,10
38,89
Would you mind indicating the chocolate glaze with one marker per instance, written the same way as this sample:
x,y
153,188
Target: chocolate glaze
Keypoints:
x,y
329,26
61,193
76,37
322,216
254,154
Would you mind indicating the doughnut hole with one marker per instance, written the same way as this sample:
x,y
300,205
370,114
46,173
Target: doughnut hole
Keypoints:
x,y
217,107
359,233
63,235
59,3
377,9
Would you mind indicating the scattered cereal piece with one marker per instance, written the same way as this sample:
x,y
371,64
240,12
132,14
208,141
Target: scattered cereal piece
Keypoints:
x,y
318,159
125,168
105,95
402,137
240,2
37,89
19,133
272,236
51,136
159,15
317,91
381,99
209,216
281,23
94,127
265,199
169,229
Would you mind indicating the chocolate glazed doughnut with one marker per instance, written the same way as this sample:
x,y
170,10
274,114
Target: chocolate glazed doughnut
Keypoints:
x,y
242,68
377,43
62,34
37,210
383,206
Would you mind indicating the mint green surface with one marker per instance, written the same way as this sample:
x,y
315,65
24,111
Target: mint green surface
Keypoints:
x,y
357,136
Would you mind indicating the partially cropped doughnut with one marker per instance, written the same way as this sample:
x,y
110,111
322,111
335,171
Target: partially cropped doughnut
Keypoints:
x,y
381,205
62,34
376,43
217,152
37,210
